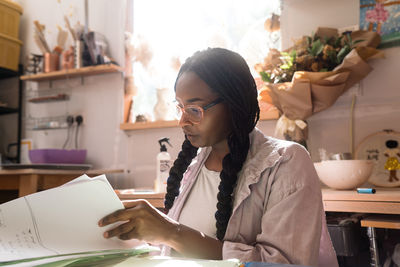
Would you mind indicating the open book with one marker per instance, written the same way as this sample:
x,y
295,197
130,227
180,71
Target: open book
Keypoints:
x,y
60,220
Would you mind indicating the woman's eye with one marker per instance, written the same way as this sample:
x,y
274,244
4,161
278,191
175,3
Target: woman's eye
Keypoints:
x,y
193,110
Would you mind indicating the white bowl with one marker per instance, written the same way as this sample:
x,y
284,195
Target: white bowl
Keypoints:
x,y
344,174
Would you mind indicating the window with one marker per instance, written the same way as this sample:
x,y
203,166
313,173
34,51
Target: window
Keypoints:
x,y
165,33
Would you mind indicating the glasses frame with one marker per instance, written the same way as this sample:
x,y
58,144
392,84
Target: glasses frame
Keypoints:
x,y
202,108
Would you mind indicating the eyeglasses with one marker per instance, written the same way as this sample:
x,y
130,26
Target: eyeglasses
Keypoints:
x,y
195,113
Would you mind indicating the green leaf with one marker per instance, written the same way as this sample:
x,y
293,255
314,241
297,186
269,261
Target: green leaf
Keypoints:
x,y
317,48
338,42
266,77
285,66
343,53
332,56
309,40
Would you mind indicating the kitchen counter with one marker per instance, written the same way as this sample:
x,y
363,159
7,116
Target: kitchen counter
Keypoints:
x,y
28,181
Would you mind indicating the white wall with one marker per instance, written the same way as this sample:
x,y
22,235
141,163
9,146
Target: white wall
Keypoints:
x,y
99,98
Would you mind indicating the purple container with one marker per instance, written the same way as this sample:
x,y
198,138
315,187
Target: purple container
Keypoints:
x,y
62,156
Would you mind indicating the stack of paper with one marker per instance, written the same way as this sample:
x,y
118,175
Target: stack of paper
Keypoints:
x,y
61,220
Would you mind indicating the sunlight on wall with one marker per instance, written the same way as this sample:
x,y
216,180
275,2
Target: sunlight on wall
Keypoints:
x,y
165,33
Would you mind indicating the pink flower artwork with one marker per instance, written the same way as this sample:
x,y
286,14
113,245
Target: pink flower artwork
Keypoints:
x,y
377,15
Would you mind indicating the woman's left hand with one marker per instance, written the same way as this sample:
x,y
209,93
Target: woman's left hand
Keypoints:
x,y
140,220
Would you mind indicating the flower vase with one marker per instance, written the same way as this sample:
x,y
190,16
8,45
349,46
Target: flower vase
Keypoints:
x,y
162,108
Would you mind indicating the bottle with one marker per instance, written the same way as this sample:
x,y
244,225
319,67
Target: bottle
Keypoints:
x,y
163,166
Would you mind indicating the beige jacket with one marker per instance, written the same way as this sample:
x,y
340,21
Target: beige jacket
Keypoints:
x,y
278,215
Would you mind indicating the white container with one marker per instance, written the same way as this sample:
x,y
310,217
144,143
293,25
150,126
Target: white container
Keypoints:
x,y
344,174
163,167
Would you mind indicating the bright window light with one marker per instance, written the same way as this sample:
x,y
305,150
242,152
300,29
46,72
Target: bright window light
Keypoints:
x,y
166,32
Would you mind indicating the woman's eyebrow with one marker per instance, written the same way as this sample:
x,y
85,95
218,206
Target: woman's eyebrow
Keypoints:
x,y
195,99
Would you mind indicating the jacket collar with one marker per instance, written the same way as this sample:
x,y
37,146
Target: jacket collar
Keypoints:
x,y
263,154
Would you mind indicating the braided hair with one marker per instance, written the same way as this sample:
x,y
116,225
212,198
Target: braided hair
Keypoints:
x,y
227,74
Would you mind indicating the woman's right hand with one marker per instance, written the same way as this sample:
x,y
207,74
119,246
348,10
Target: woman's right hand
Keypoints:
x,y
140,220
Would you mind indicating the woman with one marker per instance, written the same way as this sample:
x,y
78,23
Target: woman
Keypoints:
x,y
241,195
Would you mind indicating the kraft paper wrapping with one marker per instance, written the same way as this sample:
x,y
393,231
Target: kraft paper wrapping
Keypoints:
x,y
311,92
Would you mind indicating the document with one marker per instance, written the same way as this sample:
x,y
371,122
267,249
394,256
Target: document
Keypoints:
x,y
60,220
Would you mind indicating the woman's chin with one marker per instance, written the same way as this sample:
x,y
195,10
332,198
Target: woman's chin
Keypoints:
x,y
194,140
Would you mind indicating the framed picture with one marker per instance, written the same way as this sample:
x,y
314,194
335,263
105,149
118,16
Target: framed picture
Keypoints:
x,y
383,17
383,148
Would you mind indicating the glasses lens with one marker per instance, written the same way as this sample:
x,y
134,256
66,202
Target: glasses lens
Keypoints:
x,y
178,112
194,113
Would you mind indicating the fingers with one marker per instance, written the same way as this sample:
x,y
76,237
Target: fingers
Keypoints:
x,y
122,215
122,229
119,215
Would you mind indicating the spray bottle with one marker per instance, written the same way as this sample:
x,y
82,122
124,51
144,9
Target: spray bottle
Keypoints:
x,y
163,166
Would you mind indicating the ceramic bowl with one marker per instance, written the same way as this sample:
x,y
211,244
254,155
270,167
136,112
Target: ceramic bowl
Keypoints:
x,y
344,174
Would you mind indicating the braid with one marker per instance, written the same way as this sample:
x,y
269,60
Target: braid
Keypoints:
x,y
186,155
231,164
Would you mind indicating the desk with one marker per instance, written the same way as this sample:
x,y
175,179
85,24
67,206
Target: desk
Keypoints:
x,y
28,181
384,201
155,199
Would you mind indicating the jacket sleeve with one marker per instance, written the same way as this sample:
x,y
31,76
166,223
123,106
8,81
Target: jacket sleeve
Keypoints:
x,y
290,227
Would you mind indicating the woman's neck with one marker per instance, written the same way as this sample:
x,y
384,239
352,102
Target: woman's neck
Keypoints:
x,y
217,154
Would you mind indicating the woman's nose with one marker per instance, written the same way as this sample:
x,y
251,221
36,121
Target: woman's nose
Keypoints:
x,y
184,120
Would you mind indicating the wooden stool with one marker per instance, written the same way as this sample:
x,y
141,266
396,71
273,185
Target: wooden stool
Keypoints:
x,y
388,222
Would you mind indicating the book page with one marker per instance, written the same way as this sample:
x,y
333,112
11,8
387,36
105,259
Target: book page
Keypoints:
x,y
18,235
62,220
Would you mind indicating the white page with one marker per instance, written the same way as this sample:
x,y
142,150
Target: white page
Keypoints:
x,y
66,219
82,178
18,237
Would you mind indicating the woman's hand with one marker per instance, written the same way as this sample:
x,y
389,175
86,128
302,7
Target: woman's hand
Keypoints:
x,y
140,220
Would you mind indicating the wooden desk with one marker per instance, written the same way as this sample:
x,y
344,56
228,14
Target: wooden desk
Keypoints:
x,y
28,181
384,201
155,199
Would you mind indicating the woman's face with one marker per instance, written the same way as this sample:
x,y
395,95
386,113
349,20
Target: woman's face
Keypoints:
x,y
214,128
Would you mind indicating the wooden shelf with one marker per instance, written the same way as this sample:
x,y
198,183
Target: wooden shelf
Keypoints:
x,y
272,114
148,125
71,73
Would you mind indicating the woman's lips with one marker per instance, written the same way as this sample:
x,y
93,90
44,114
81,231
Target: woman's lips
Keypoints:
x,y
190,135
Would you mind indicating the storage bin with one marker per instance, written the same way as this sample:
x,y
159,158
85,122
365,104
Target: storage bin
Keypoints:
x,y
9,18
61,156
9,52
346,237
